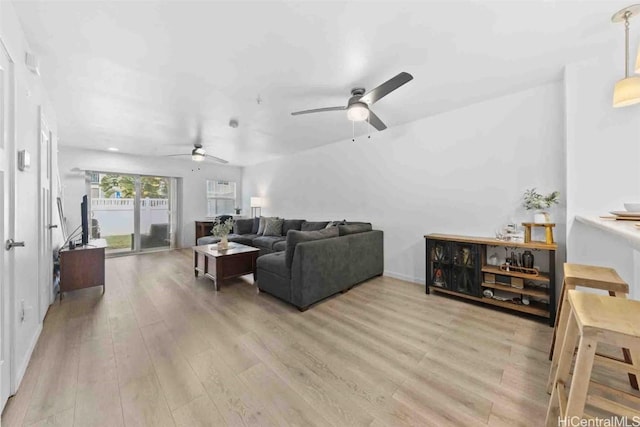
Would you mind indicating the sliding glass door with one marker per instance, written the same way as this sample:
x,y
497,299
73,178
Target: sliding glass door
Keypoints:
x,y
132,213
155,212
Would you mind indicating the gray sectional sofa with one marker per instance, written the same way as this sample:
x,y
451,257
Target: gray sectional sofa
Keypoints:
x,y
310,270
311,261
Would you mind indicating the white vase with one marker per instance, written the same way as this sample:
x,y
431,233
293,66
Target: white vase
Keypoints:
x,y
224,243
541,217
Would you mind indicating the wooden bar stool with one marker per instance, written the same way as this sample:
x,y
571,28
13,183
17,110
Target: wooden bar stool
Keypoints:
x,y
588,276
594,319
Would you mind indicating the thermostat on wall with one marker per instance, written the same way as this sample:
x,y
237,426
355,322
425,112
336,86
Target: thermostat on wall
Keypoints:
x,y
24,160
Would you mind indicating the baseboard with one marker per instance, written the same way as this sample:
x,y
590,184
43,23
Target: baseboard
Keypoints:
x,y
25,362
404,277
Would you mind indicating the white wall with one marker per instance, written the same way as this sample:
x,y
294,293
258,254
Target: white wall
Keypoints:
x,y
603,143
603,153
29,98
460,172
194,201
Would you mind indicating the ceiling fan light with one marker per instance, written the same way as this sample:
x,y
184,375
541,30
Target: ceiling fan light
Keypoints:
x,y
358,112
197,154
626,92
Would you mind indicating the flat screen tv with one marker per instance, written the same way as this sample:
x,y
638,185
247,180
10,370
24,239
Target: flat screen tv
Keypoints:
x,y
85,220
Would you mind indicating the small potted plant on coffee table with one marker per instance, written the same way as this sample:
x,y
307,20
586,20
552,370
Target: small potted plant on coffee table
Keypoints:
x,y
222,230
534,201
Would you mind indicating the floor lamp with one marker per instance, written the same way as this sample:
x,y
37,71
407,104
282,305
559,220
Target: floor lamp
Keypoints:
x,y
256,207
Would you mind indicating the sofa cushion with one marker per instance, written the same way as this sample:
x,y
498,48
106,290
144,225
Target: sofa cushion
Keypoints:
x,y
291,224
294,237
244,239
274,263
256,225
243,226
273,227
280,246
354,228
313,226
208,240
266,242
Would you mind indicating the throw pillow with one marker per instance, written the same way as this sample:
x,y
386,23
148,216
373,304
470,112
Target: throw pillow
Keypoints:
x,y
294,237
256,225
336,223
263,223
273,227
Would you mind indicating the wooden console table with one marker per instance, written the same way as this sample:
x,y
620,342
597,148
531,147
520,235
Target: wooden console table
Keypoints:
x,y
82,267
457,265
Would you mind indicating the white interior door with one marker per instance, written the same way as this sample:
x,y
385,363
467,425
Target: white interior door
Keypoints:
x,y
6,226
45,253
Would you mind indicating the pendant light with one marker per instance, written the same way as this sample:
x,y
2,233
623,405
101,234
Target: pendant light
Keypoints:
x,y
626,91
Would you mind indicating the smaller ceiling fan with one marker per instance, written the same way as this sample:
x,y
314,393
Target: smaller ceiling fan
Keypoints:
x,y
358,105
198,154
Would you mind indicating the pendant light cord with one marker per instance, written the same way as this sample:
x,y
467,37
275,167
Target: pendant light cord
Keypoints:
x,y
627,15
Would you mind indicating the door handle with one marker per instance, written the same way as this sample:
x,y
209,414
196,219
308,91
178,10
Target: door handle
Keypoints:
x,y
13,244
52,226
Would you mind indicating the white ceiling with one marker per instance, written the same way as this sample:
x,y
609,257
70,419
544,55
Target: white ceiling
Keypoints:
x,y
140,76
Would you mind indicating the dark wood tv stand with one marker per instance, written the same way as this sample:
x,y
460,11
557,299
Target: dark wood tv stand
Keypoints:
x,y
82,267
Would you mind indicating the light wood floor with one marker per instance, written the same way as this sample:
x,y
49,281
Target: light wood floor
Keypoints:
x,y
163,348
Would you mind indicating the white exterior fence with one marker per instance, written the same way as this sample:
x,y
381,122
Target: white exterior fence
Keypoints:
x,y
115,216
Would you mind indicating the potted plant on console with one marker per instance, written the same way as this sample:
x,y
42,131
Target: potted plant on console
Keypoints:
x,y
534,201
222,230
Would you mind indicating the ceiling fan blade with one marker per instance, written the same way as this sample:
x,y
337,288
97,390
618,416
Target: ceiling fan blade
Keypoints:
x,y
374,95
375,121
176,155
319,110
216,159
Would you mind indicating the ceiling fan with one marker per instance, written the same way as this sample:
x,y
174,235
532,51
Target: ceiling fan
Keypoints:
x,y
358,106
199,154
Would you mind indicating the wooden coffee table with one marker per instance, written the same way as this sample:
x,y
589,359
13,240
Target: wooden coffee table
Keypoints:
x,y
219,265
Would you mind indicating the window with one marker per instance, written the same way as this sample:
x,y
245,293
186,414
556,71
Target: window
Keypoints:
x,y
221,198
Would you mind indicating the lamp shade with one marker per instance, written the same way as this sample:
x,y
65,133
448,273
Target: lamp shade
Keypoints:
x,y
637,68
626,92
256,202
358,112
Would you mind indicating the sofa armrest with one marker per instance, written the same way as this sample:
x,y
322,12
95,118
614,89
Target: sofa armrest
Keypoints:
x,y
320,268
366,255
